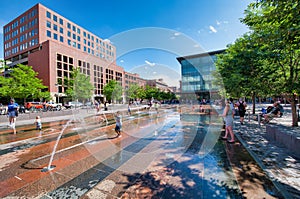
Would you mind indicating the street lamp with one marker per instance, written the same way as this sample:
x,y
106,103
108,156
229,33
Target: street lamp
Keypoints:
x,y
57,85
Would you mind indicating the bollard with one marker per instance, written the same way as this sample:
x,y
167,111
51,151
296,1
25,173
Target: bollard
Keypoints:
x,y
248,115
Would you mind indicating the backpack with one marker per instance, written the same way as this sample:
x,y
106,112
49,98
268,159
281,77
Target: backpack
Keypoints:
x,y
241,106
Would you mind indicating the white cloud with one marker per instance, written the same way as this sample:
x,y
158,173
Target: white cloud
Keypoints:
x,y
218,23
149,63
177,33
212,29
122,61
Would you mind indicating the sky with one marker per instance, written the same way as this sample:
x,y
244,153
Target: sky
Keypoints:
x,y
192,27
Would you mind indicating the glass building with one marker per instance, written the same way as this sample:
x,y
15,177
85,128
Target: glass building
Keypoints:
x,y
197,79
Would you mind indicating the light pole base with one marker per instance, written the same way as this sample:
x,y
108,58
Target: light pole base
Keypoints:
x,y
45,169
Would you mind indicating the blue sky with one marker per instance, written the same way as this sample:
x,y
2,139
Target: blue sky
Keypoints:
x,y
212,24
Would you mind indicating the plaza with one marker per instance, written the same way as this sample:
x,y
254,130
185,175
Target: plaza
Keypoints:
x,y
175,153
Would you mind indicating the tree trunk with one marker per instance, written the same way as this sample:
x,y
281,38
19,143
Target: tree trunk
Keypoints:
x,y
292,100
294,113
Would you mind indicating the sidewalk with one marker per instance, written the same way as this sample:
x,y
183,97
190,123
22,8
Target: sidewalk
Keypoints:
x,y
280,163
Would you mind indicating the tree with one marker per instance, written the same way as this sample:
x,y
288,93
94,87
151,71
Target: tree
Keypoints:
x,y
78,86
151,92
240,69
277,25
133,91
113,91
22,83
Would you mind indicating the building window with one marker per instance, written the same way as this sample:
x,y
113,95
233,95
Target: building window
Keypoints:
x,y
61,21
69,42
78,30
69,34
61,30
48,15
55,27
78,46
55,36
61,39
54,18
48,33
59,57
74,36
69,25
74,28
78,38
48,24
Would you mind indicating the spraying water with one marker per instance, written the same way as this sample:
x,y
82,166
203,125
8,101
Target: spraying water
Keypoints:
x,y
51,167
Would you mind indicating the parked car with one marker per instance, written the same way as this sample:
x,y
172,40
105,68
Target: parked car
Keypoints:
x,y
3,109
89,105
74,104
33,105
53,106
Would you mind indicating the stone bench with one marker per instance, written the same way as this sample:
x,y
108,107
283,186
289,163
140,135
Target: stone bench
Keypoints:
x,y
289,137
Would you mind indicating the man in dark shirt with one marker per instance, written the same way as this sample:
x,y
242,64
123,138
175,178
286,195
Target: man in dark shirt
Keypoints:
x,y
275,112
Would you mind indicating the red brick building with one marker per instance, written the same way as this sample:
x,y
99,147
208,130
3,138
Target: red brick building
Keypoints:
x,y
54,45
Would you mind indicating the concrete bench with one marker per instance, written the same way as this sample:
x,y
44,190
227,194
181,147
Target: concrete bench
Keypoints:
x,y
289,137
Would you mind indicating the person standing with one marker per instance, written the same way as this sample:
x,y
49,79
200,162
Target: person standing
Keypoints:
x,y
128,108
228,118
242,109
118,128
12,110
38,123
97,105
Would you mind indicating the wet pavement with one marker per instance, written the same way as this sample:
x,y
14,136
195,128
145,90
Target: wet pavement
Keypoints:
x,y
175,153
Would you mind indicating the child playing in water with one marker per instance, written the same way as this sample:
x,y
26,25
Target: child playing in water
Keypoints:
x,y
118,118
38,123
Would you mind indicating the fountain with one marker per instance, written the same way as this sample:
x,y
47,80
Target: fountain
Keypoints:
x,y
51,167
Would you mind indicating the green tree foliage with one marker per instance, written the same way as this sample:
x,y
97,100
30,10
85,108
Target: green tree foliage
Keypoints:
x,y
78,86
113,91
277,24
265,61
241,69
22,83
133,91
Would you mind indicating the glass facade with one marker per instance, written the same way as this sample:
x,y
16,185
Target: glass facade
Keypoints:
x,y
196,71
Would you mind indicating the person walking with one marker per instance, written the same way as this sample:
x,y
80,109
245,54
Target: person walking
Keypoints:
x,y
12,110
228,118
242,109
118,128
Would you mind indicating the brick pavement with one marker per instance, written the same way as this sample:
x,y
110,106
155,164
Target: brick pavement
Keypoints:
x,y
280,163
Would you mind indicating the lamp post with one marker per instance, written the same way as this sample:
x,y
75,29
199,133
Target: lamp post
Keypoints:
x,y
57,85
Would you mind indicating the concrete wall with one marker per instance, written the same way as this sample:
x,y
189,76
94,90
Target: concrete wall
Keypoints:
x,y
284,136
